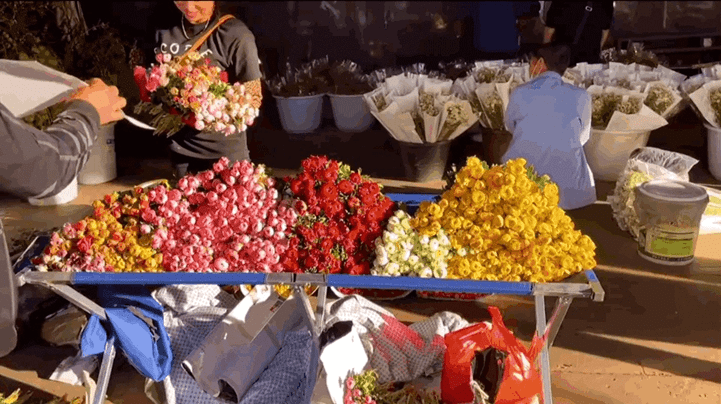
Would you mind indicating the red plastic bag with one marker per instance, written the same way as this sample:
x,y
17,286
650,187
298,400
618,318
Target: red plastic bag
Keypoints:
x,y
521,383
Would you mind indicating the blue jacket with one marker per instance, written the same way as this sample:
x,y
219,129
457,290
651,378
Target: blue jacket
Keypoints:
x,y
550,122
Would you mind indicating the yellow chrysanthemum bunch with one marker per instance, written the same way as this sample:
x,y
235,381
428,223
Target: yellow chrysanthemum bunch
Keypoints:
x,y
504,226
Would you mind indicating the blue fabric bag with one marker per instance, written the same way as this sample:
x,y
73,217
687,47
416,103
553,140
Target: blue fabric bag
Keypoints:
x,y
135,319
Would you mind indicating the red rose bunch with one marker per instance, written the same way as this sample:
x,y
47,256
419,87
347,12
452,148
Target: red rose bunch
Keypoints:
x,y
341,214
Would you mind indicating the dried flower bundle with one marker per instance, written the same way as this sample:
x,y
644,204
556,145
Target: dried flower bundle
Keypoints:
x,y
659,99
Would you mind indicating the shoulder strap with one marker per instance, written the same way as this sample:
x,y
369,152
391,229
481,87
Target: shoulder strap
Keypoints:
x,y
589,8
205,36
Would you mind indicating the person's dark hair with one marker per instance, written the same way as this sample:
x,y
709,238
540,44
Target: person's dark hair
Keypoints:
x,y
557,56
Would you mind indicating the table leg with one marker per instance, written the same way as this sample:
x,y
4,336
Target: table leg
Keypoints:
x,y
320,308
545,360
77,298
105,369
559,313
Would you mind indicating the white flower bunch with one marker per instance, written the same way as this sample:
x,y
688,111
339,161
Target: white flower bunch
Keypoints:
x,y
402,251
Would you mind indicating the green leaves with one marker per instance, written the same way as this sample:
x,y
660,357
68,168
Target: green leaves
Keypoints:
x,y
541,181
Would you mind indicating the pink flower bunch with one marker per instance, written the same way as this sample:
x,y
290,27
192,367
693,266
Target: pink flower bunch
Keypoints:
x,y
229,218
199,92
358,394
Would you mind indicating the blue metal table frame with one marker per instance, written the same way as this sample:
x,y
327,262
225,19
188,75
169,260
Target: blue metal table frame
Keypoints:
x,y
565,292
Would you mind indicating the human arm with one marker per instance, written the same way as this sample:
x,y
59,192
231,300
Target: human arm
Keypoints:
x,y
553,16
39,164
244,57
513,112
604,37
607,20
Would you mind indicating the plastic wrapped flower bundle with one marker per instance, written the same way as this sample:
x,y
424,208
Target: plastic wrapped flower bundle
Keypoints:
x,y
347,78
402,251
310,79
504,223
644,165
190,91
365,389
230,218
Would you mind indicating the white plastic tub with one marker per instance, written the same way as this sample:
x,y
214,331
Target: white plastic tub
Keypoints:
x,y
351,113
670,213
714,150
300,114
101,166
607,152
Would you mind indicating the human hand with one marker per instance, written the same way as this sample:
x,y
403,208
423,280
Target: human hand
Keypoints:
x,y
105,99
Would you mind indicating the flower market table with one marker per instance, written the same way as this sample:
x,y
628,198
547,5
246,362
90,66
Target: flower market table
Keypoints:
x,y
585,285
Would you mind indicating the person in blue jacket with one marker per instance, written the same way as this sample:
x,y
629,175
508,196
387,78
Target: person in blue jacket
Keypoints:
x,y
550,122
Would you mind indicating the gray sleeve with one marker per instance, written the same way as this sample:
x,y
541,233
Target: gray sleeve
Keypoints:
x,y
244,56
40,164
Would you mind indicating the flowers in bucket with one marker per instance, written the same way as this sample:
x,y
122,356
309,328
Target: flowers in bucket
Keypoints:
x,y
311,78
419,109
504,223
615,109
365,389
402,251
190,91
347,78
341,214
704,92
488,89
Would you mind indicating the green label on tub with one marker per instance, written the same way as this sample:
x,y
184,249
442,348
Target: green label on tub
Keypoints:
x,y
662,243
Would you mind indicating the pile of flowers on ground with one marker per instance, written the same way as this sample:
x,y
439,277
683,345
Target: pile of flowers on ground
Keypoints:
x,y
364,389
230,218
190,91
341,214
504,223
402,251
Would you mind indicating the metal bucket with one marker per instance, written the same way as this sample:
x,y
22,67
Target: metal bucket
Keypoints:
x,y
300,115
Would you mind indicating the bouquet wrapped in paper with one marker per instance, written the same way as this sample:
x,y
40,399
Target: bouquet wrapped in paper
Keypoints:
x,y
704,93
190,91
415,108
616,109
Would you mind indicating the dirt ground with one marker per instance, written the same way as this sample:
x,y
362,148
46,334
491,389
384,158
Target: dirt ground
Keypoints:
x,y
655,339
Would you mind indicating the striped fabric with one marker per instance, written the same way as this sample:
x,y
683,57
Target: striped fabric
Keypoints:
x,y
37,164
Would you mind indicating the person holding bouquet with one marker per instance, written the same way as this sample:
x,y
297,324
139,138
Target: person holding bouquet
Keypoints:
x,y
230,45
550,122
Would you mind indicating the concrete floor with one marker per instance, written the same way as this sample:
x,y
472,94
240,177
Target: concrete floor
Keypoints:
x,y
655,339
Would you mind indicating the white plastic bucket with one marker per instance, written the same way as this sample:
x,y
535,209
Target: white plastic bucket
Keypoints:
x,y
670,214
300,114
351,113
607,152
101,166
714,150
66,195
